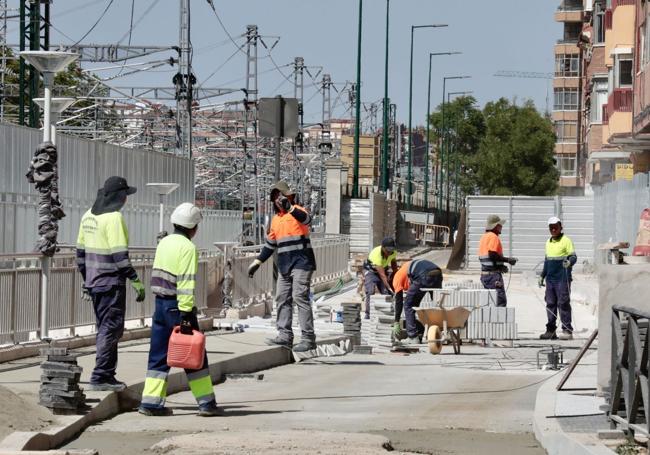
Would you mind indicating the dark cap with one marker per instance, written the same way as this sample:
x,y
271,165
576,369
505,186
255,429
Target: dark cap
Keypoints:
x,y
389,244
114,184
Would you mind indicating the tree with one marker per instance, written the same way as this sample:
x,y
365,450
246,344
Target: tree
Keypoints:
x,y
516,154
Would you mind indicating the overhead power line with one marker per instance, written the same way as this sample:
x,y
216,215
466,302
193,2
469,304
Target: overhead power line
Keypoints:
x,y
96,23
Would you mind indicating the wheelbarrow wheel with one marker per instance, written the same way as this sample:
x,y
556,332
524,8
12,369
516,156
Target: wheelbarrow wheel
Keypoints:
x,y
434,336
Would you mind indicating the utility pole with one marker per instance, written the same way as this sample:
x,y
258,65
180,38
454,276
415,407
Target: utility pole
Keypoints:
x,y
386,105
30,35
3,57
357,109
250,100
184,81
326,87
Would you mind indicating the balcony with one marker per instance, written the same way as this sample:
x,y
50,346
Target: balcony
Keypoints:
x,y
617,3
569,11
620,100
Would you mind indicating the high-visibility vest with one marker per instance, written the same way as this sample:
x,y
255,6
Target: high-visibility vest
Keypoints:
x,y
103,250
291,239
490,242
557,250
174,270
401,278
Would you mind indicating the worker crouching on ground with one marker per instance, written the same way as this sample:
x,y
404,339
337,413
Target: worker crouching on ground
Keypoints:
x,y
376,274
103,261
558,263
173,281
289,234
493,263
412,278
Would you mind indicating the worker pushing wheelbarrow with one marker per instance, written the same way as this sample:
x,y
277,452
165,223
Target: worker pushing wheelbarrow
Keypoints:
x,y
443,325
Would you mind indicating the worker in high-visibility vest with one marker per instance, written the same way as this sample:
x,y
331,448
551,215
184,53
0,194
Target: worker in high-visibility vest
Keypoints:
x,y
558,262
173,281
376,273
103,261
408,284
493,262
289,235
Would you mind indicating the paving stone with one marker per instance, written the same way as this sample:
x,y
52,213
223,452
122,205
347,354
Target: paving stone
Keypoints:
x,y
62,374
53,351
69,358
62,366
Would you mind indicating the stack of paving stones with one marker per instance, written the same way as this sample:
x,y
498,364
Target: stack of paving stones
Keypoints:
x,y
376,331
60,376
352,322
323,311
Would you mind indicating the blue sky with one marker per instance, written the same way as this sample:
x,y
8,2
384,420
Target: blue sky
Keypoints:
x,y
497,35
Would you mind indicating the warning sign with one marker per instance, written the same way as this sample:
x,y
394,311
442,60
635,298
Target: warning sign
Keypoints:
x,y
624,171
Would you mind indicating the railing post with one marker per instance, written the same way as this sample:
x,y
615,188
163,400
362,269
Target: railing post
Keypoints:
x,y
12,303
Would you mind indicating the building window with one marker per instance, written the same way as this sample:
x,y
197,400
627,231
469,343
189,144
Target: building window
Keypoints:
x,y
565,99
566,131
572,31
566,165
623,71
598,99
567,65
599,23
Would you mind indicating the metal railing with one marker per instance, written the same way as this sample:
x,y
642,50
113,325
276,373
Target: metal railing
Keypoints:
x,y
332,259
629,403
20,294
430,233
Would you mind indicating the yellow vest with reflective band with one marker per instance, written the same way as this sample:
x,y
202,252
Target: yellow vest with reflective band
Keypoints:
x,y
103,250
376,259
556,252
174,270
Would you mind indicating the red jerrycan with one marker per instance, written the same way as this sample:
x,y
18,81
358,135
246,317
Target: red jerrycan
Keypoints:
x,y
186,351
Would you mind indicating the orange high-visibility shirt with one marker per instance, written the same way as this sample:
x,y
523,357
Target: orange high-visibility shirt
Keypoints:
x,y
401,278
489,242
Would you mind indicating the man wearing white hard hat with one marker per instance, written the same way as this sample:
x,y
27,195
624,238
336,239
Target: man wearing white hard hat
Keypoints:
x,y
173,281
558,262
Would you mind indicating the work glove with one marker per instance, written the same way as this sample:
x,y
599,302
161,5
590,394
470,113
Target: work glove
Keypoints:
x,y
85,294
138,287
566,263
284,203
253,267
512,261
186,322
540,282
397,330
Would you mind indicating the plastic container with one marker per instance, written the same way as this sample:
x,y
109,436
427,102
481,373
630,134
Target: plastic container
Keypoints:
x,y
186,351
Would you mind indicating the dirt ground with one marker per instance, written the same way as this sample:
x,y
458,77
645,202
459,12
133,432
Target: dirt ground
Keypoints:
x,y
17,414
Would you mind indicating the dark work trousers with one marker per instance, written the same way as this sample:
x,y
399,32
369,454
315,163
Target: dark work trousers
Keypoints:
x,y
110,306
558,297
371,281
413,299
494,280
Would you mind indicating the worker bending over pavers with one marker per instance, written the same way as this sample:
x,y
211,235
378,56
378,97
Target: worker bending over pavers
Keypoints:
x,y
173,281
376,270
493,263
559,260
412,278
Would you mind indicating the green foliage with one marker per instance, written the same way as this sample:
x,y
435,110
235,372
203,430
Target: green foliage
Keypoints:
x,y
503,150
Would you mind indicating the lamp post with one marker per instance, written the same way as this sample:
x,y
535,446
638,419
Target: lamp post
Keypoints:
x,y
457,160
162,189
385,151
426,156
409,179
357,119
442,146
48,63
57,106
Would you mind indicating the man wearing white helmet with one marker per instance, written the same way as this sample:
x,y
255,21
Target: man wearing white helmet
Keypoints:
x,y
558,262
173,281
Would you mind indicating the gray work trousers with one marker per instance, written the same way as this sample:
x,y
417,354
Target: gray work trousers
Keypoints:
x,y
294,288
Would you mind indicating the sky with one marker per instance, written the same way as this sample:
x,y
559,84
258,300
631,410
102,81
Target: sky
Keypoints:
x,y
515,35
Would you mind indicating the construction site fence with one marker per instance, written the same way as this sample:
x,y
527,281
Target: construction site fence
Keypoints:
x,y
20,294
430,234
332,254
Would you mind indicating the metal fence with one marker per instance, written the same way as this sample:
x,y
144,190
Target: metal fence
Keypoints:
x,y
332,258
629,403
617,208
20,294
525,233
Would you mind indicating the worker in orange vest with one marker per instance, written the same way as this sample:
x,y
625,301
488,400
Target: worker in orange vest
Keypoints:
x,y
493,263
289,235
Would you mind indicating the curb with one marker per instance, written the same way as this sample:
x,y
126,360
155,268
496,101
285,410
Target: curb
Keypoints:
x,y
112,403
550,434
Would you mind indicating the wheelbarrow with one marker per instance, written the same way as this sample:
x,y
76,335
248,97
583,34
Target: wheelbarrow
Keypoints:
x,y
443,325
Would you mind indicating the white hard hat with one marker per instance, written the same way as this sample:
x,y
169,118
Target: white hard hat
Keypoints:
x,y
187,215
554,220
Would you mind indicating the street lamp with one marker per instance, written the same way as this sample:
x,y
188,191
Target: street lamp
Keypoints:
x,y
426,157
57,106
384,161
162,189
409,182
442,160
357,119
457,164
48,63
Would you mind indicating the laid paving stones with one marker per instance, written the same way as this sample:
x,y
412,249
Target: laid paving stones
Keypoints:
x,y
60,376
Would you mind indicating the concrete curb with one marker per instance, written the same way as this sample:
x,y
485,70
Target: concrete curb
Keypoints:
x,y
112,403
550,434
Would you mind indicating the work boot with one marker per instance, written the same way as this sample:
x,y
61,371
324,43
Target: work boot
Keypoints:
x,y
156,412
412,341
548,335
210,410
110,385
367,316
566,335
304,346
277,341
